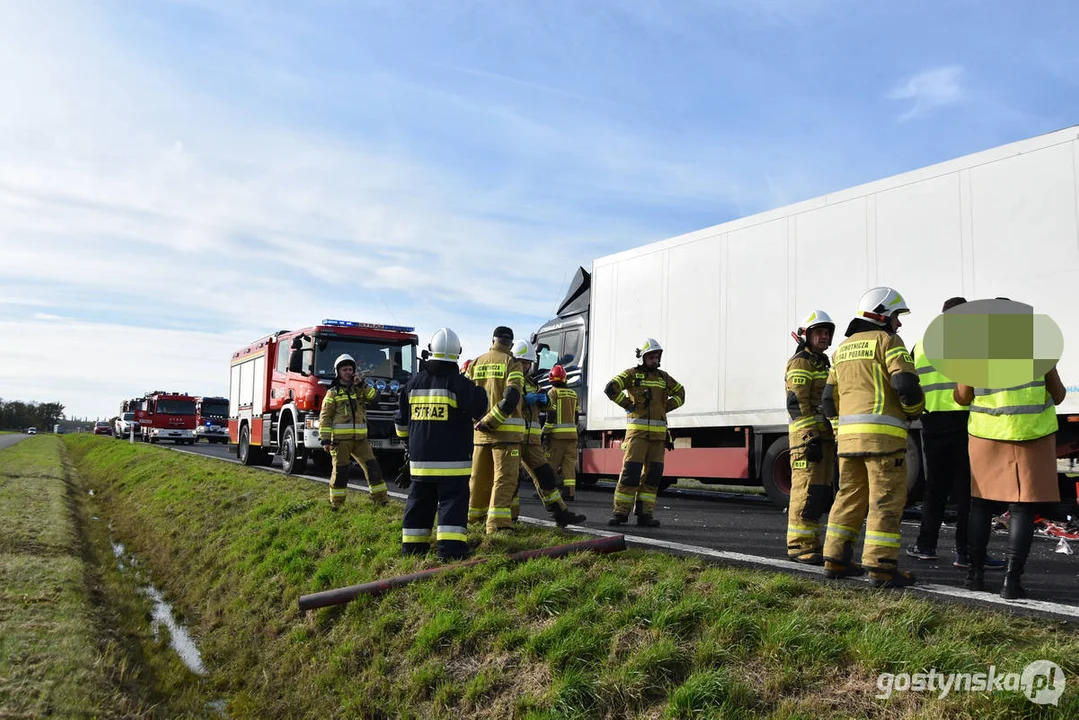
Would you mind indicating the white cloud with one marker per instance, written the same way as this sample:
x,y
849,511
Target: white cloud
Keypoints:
x,y
930,89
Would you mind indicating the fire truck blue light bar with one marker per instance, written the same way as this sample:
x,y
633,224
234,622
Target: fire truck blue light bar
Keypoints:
x,y
369,326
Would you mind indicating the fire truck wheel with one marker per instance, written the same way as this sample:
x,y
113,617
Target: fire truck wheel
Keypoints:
x,y
292,461
246,454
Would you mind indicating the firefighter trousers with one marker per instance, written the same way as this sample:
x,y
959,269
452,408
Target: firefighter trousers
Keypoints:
x,y
493,484
448,499
342,452
642,471
877,484
534,464
811,493
562,455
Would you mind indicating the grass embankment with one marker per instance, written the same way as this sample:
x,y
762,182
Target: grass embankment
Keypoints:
x,y
73,636
638,634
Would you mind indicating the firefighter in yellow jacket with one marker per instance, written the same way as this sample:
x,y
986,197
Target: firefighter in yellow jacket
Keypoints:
x,y
647,394
342,430
560,430
812,446
496,456
533,459
873,389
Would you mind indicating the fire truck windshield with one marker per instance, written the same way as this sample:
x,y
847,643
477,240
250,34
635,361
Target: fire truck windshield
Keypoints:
x,y
175,407
217,409
374,359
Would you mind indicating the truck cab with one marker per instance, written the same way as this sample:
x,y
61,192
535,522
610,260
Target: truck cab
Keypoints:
x,y
563,340
212,419
277,385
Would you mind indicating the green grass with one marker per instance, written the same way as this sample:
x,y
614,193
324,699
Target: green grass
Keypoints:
x,y
74,641
636,634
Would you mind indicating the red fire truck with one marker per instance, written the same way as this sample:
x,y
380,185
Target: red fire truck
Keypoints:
x,y
164,416
212,419
277,384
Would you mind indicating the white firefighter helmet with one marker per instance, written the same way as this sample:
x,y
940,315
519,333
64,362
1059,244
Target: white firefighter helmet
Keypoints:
x,y
817,318
880,304
445,345
341,360
650,345
523,350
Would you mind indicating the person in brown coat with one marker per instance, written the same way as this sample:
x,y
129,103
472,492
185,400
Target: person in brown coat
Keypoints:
x,y
1012,442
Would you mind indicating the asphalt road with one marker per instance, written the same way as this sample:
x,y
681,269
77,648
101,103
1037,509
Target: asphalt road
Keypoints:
x,y
7,441
750,530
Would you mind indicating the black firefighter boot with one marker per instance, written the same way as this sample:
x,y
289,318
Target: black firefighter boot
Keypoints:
x,y
645,519
565,516
1020,536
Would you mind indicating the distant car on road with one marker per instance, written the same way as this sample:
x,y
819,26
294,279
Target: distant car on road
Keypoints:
x,y
124,425
102,428
31,431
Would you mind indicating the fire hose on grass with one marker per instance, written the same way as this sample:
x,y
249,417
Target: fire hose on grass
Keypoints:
x,y
339,596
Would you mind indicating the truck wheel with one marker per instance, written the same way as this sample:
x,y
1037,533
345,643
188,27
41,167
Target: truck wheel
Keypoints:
x,y
776,472
247,455
292,460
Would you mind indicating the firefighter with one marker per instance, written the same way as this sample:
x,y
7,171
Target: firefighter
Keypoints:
x,y
533,459
342,430
496,457
873,389
812,445
560,430
435,414
647,394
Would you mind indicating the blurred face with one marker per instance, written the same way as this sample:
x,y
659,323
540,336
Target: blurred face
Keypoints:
x,y
527,366
651,360
347,373
894,322
818,339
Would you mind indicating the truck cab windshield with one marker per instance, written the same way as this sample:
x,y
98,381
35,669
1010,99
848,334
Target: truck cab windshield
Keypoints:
x,y
215,410
373,359
175,407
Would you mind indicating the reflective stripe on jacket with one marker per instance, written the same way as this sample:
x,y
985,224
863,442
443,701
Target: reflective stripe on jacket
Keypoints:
x,y
494,371
806,376
1025,412
647,396
872,419
561,413
435,412
344,412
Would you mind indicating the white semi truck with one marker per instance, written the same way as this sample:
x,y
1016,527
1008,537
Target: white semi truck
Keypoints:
x,y
723,300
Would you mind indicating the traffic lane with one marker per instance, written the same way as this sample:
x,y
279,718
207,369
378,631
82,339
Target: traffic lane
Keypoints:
x,y
7,441
754,527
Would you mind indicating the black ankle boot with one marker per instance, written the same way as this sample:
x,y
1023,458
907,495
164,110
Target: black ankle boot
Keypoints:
x,y
976,572
1013,588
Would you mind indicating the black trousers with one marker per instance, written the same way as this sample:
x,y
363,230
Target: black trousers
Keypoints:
x,y
1020,527
448,499
947,475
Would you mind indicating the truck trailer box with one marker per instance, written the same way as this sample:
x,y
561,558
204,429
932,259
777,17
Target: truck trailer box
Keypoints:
x,y
723,300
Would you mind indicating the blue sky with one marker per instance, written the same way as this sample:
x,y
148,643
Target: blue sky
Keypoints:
x,y
180,178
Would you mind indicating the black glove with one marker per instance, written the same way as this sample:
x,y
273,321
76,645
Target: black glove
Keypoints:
x,y
814,451
669,444
404,475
